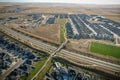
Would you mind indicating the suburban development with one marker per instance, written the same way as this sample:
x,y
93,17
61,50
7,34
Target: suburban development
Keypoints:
x,y
42,41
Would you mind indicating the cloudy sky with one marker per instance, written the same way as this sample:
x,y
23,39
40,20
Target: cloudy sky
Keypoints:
x,y
69,1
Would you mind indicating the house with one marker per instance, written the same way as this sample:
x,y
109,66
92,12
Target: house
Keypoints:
x,y
57,65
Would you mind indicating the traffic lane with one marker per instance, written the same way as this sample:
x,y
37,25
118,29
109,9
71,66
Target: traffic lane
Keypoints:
x,y
111,66
27,39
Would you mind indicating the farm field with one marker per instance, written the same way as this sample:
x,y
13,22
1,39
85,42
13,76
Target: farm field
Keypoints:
x,y
104,49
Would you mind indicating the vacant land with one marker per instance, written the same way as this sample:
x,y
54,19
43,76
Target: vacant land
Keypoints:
x,y
109,11
78,45
104,49
105,10
83,44
49,32
113,17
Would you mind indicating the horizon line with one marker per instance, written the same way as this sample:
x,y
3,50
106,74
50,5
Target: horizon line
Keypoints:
x,y
57,3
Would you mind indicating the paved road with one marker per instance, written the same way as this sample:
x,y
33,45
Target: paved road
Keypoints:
x,y
109,66
75,31
31,41
52,54
62,45
110,31
88,26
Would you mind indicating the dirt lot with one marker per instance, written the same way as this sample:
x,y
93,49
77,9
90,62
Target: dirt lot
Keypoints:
x,y
84,44
50,32
79,45
113,17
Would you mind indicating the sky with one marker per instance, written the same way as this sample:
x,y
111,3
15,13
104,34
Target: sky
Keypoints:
x,y
69,1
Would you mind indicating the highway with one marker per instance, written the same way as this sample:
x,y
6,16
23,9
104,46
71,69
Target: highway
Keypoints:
x,y
23,38
52,55
106,65
100,63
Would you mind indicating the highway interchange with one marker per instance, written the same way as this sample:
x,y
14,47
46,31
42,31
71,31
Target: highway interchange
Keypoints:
x,y
65,54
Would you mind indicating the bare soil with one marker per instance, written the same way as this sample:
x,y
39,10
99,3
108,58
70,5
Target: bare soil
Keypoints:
x,y
83,45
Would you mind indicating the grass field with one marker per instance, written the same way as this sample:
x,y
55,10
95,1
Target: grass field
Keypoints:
x,y
62,38
62,23
41,75
38,66
104,49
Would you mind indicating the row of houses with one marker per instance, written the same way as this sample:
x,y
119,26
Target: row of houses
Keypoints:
x,y
20,52
61,73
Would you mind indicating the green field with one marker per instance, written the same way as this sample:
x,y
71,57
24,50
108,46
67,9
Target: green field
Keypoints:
x,y
62,33
38,66
62,22
41,75
104,49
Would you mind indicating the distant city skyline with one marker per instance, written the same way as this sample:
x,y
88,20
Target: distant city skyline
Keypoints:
x,y
69,1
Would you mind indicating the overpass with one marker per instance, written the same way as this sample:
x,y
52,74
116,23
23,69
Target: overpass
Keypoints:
x,y
102,65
